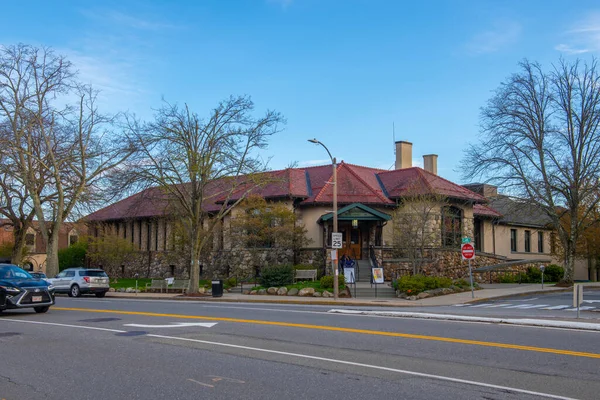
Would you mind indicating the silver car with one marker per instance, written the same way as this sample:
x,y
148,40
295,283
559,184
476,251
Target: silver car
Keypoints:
x,y
78,281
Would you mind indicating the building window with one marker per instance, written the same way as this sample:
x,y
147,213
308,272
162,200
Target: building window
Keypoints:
x,y
540,242
513,240
451,226
73,239
30,239
527,241
478,239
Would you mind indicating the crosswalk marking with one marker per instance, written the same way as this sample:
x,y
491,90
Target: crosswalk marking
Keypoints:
x,y
527,306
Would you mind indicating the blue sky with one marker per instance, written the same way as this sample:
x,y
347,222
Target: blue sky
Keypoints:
x,y
342,71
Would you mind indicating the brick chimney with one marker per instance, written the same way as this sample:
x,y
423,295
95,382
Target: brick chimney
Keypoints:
x,y
430,163
403,154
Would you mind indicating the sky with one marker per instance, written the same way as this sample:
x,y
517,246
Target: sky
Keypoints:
x,y
356,75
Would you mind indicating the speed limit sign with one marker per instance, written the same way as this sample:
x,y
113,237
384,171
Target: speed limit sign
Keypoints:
x,y
336,240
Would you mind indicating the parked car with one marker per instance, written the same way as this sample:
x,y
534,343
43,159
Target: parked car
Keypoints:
x,y
18,289
39,275
78,281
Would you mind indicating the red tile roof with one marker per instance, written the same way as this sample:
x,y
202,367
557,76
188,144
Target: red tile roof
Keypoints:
x,y
356,184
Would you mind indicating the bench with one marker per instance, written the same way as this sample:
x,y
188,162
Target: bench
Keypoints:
x,y
180,284
157,284
305,274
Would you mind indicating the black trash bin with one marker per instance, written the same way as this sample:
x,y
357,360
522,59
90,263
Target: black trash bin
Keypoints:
x,y
217,288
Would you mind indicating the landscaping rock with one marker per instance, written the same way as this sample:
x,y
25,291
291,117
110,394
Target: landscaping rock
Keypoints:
x,y
253,292
307,291
246,291
272,290
282,291
423,295
412,297
436,292
262,291
130,290
317,294
112,289
202,290
345,293
456,289
292,292
327,294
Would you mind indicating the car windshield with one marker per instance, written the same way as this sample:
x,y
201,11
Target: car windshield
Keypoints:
x,y
38,275
93,273
13,272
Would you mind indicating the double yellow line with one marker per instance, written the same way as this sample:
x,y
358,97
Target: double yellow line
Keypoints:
x,y
348,330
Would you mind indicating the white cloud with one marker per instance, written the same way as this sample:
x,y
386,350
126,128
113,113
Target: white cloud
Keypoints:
x,y
584,37
498,37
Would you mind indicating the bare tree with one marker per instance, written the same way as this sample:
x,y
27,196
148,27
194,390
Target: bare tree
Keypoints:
x,y
416,226
540,141
205,167
62,150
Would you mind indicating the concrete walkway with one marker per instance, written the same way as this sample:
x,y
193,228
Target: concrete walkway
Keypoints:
x,y
488,292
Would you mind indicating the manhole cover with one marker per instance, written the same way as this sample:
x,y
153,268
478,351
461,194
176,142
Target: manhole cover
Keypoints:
x,y
99,319
132,333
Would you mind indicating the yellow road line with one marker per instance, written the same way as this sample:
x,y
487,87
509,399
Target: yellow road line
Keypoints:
x,y
348,330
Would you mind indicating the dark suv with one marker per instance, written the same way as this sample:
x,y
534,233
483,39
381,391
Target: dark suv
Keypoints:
x,y
18,289
78,281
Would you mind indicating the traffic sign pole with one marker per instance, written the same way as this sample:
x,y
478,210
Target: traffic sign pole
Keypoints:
x,y
471,276
468,253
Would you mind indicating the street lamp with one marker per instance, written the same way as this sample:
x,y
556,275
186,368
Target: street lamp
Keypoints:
x,y
335,216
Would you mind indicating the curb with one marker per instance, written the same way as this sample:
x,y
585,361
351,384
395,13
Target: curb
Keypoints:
x,y
582,326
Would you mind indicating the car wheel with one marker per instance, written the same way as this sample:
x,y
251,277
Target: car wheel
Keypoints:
x,y
100,294
75,292
41,310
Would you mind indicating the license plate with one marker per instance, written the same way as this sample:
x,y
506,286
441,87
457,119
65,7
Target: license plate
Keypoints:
x,y
36,299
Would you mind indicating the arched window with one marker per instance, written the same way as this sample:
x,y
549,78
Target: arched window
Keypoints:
x,y
451,226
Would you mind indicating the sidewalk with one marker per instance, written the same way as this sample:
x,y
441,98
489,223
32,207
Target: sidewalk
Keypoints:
x,y
489,291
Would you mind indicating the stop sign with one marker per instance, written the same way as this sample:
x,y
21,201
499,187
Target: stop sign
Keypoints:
x,y
467,251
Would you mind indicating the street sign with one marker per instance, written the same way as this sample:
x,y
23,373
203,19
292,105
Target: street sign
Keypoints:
x,y
542,268
468,251
336,240
466,240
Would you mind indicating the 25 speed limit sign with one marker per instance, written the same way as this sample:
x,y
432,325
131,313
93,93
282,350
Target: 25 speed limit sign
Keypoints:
x,y
336,240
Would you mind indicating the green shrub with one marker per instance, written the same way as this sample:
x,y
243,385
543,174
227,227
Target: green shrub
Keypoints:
x,y
534,275
277,275
507,277
462,283
73,256
416,284
231,282
327,282
554,273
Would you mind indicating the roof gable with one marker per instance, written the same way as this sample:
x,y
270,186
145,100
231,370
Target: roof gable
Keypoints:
x,y
359,212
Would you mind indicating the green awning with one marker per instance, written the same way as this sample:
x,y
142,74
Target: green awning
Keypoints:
x,y
357,211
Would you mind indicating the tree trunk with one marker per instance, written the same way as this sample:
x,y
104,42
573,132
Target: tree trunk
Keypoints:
x,y
569,265
16,256
52,268
194,271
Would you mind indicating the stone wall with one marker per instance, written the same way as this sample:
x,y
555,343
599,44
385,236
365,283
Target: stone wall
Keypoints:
x,y
449,263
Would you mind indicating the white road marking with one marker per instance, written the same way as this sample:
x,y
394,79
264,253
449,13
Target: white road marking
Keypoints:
x,y
556,307
200,383
377,367
500,305
175,325
527,306
65,325
581,308
460,305
591,301
482,305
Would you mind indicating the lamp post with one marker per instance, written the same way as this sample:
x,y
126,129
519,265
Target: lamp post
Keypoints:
x,y
335,216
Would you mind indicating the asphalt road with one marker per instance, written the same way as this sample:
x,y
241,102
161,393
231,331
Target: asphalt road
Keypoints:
x,y
90,348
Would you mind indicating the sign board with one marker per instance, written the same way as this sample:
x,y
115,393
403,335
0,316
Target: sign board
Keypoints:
x,y
336,240
377,275
542,268
349,275
468,251
333,255
466,240
170,281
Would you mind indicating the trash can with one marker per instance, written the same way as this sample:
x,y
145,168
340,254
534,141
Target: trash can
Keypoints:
x,y
217,288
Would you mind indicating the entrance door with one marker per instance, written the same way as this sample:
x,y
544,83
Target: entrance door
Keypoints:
x,y
351,242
